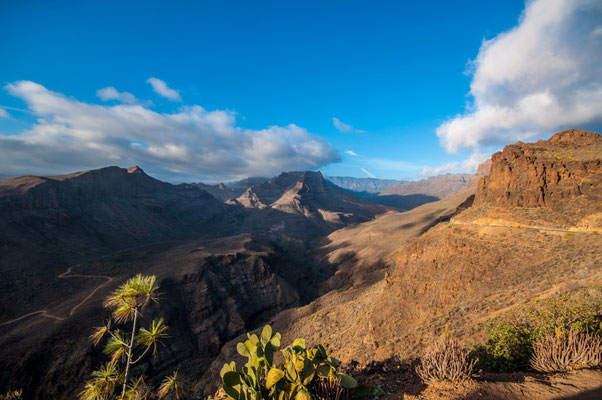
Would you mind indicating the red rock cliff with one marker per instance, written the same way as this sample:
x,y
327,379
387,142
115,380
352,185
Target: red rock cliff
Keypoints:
x,y
544,173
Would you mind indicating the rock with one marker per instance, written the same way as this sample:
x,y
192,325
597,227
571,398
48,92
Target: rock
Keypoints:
x,y
543,173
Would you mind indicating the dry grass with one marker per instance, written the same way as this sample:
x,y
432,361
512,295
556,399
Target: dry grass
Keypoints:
x,y
446,361
567,351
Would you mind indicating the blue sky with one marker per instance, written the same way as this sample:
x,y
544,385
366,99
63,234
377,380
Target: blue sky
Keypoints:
x,y
393,74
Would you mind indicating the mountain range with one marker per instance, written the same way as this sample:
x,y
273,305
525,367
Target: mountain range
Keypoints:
x,y
313,259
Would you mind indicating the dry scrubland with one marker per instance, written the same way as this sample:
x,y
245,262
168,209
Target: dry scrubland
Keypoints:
x,y
399,289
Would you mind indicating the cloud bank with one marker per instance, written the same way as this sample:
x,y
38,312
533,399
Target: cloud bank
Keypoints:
x,y
190,144
535,79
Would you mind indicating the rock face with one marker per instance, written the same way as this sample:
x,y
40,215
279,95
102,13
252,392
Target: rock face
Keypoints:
x,y
545,173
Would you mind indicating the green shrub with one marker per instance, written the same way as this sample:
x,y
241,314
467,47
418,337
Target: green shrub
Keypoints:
x,y
511,336
307,372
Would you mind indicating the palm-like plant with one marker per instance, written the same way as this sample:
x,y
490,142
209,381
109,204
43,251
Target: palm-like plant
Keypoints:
x,y
127,302
137,390
171,386
102,383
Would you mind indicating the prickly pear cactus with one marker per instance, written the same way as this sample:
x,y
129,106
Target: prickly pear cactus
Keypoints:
x,y
260,379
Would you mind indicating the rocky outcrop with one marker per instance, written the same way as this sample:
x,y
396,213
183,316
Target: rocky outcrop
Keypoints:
x,y
545,173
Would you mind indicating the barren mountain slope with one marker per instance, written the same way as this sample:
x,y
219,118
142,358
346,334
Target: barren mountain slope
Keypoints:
x,y
309,194
458,274
438,186
370,185
211,291
361,256
461,273
230,190
49,222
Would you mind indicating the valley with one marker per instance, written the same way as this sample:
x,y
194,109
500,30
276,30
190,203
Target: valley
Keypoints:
x,y
376,279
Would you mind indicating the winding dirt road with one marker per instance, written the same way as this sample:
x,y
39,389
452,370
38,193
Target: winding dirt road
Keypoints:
x,y
67,274
64,275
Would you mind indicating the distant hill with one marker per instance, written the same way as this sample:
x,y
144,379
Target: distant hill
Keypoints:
x,y
439,186
108,206
309,194
230,190
370,185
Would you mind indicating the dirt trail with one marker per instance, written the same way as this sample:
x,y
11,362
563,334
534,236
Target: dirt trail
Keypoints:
x,y
64,275
67,274
537,228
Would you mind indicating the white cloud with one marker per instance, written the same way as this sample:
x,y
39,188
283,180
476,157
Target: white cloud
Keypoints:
x,y
430,171
365,171
469,165
351,153
192,143
163,90
472,163
110,93
343,127
3,113
539,77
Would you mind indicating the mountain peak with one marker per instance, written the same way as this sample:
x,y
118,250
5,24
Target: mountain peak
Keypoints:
x,y
135,170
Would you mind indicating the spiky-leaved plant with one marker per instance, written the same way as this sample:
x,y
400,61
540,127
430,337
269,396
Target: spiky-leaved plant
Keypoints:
x,y
128,347
171,386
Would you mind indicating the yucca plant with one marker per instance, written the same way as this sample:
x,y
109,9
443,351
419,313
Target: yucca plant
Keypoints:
x,y
171,387
128,347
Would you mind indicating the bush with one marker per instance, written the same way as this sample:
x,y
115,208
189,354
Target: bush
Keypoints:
x,y
567,351
511,336
446,361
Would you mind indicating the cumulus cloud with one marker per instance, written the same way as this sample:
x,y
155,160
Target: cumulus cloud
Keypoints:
x,y
539,77
351,153
472,163
110,93
192,143
469,165
163,90
343,127
365,171
442,169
